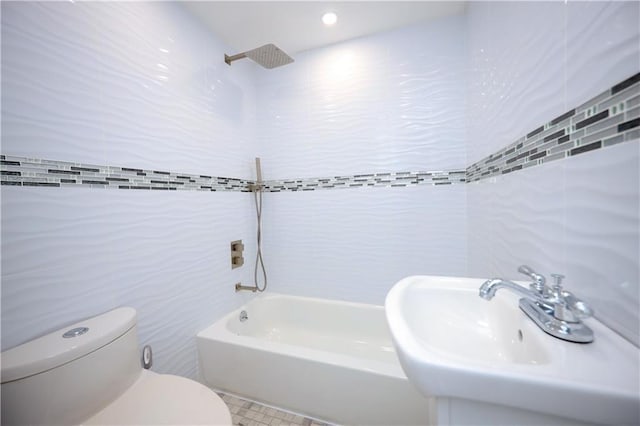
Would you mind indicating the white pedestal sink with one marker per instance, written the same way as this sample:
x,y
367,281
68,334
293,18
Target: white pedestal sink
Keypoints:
x,y
486,362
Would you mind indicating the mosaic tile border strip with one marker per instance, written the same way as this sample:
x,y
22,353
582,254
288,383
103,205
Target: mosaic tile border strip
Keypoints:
x,y
21,171
248,413
608,119
397,179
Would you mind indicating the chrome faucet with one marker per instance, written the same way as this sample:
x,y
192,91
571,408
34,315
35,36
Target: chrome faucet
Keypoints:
x,y
554,310
490,288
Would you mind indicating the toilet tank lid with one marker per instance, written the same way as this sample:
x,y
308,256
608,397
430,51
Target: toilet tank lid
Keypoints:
x,y
53,350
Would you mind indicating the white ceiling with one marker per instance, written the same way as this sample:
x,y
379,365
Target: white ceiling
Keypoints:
x,y
295,26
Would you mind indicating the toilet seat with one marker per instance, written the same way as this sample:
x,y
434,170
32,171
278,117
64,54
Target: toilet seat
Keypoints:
x,y
163,399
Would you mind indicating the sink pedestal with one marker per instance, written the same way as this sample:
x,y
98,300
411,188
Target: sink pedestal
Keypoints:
x,y
464,412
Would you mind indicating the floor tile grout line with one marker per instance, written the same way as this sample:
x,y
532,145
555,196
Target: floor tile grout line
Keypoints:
x,y
247,412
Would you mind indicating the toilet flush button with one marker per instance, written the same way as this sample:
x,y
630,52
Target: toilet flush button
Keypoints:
x,y
75,332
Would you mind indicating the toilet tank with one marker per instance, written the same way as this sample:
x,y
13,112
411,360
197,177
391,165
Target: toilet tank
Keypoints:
x,y
64,380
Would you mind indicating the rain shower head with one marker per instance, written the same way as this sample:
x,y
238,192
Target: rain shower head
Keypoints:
x,y
269,56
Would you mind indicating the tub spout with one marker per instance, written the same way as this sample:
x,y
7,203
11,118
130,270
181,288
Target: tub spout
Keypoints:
x,y
240,287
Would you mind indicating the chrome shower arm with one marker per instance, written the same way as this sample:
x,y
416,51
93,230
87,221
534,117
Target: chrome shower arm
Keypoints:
x,y
228,59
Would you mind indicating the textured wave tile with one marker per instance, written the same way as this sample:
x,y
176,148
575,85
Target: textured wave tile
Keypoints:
x,y
369,105
138,85
603,226
602,47
557,56
177,96
354,245
578,217
68,255
518,76
134,84
50,62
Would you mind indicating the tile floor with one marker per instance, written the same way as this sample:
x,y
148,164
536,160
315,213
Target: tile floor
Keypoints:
x,y
248,413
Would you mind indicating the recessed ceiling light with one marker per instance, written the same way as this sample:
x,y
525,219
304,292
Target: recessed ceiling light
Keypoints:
x,y
329,18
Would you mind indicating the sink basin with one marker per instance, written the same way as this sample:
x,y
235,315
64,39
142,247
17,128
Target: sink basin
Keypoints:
x,y
487,334
452,343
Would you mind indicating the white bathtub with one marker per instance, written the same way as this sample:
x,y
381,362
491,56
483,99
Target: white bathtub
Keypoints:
x,y
327,359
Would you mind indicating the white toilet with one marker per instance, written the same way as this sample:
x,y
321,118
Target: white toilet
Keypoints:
x,y
94,376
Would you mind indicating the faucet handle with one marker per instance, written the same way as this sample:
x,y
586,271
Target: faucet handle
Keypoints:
x,y
538,280
524,269
577,306
556,290
557,280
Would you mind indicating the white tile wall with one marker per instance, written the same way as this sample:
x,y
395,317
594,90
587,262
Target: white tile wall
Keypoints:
x,y
530,62
579,216
515,67
68,254
131,84
141,85
388,102
355,244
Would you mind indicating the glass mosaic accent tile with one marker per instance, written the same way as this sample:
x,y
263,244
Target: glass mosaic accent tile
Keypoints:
x,y
392,179
610,118
21,171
